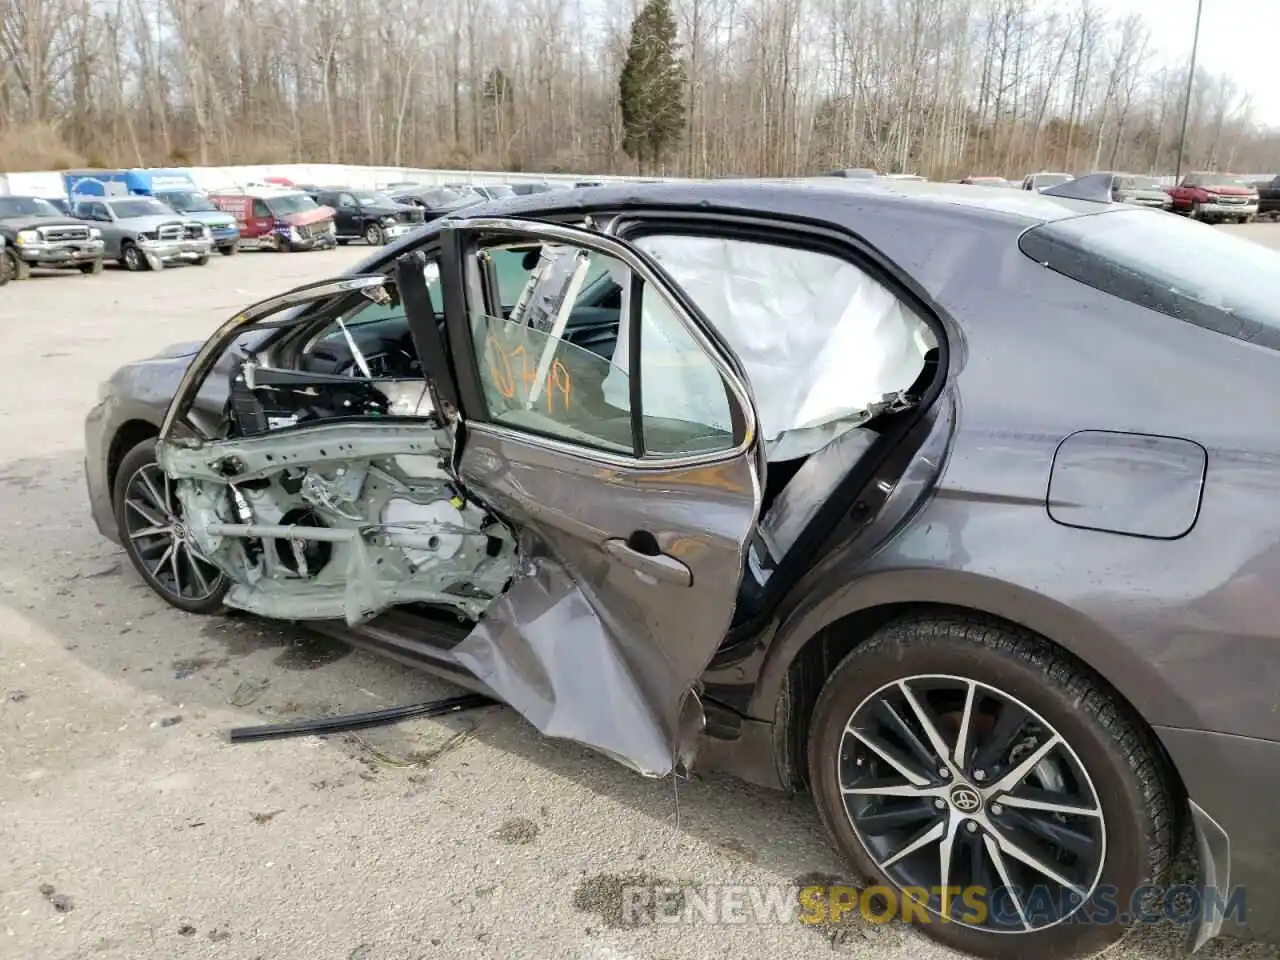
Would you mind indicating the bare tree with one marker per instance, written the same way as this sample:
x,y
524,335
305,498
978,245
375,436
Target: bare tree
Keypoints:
x,y
774,87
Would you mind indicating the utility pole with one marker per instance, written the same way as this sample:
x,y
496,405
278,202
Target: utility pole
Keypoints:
x,y
1186,103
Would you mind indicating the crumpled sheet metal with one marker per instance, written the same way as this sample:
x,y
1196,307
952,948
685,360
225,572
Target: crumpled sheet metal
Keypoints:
x,y
821,341
556,663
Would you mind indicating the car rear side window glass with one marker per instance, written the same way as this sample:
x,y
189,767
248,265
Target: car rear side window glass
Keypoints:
x,y
260,209
1185,270
551,347
544,356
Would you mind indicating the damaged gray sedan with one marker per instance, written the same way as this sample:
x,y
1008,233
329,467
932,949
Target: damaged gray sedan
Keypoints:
x,y
928,501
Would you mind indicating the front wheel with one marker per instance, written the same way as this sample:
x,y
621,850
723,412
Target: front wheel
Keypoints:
x,y
230,250
201,261
92,267
150,525
979,768
15,267
374,236
133,258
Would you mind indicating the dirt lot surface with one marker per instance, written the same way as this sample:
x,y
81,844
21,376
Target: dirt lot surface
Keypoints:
x,y
130,829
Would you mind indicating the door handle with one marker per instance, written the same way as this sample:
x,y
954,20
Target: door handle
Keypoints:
x,y
659,566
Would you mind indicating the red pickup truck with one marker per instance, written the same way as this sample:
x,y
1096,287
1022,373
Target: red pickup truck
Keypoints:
x,y
1215,196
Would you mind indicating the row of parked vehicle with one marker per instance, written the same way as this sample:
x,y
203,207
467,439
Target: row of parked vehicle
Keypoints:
x,y
144,220
1202,195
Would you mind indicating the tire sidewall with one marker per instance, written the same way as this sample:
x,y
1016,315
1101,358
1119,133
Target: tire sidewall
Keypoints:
x,y
373,235
1126,865
132,258
16,267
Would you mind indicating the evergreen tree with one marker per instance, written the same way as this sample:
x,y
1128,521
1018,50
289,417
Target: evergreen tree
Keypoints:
x,y
651,87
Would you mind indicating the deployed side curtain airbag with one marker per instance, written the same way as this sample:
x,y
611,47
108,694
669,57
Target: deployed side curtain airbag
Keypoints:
x,y
822,342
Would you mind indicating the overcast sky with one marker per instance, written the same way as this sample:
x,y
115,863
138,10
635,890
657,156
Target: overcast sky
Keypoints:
x,y
1237,37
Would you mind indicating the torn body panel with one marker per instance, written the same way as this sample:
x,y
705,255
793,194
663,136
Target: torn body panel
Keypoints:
x,y
602,637
339,521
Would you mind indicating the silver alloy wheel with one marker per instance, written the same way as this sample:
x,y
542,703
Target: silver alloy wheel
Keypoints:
x,y
949,782
153,524
132,258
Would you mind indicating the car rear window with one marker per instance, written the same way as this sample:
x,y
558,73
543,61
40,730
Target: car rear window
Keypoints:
x,y
1185,270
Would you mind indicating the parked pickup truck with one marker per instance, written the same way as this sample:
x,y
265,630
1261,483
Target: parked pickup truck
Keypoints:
x,y
1269,196
1215,197
365,214
36,234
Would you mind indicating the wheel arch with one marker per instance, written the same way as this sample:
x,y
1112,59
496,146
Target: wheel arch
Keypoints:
x,y
809,644
130,434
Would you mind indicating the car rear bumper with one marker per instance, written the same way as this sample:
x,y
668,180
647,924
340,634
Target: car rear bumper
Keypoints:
x,y
1235,781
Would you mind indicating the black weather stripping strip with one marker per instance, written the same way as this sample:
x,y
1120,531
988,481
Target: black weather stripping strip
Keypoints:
x,y
360,721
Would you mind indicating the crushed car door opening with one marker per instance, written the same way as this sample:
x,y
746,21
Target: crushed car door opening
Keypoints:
x,y
574,462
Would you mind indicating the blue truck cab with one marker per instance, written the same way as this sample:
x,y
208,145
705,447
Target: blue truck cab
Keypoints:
x,y
172,187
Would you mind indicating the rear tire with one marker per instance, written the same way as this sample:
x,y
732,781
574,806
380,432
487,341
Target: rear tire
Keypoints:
x,y
1105,764
201,586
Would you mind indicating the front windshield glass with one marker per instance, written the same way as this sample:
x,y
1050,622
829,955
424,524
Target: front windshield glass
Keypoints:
x,y
1177,267
500,191
1222,180
291,203
443,196
138,207
187,202
1140,183
1052,179
26,207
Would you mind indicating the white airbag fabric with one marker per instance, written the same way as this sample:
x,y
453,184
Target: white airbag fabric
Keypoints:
x,y
821,341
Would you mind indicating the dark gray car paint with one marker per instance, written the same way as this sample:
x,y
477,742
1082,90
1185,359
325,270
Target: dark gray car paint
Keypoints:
x,y
1184,629
1127,483
584,646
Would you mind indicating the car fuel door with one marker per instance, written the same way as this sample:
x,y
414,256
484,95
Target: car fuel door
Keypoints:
x,y
616,437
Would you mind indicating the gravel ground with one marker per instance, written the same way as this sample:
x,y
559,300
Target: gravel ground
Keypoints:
x,y
130,829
